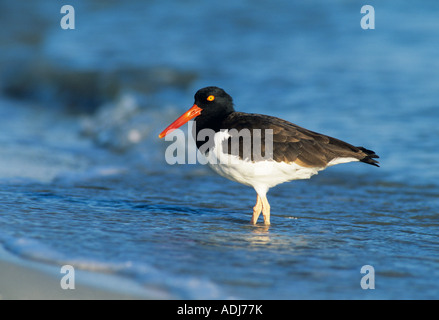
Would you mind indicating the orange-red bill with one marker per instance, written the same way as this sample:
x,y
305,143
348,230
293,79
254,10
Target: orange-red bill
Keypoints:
x,y
193,112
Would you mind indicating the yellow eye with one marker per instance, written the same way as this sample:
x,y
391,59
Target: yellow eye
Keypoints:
x,y
210,98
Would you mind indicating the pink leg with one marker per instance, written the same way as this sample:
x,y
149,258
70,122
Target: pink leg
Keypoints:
x,y
256,210
266,210
261,205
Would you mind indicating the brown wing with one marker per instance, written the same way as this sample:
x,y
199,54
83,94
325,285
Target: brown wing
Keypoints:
x,y
292,143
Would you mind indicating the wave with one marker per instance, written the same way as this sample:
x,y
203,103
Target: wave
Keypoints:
x,y
159,284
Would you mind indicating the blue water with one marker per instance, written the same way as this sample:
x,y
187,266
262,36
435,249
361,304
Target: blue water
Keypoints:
x,y
83,176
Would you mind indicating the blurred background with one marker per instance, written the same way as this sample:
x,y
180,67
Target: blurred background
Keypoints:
x,y
83,173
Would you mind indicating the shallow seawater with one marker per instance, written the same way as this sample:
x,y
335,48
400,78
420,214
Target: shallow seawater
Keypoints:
x,y
84,179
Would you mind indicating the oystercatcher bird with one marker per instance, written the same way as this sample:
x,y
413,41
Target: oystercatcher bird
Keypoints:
x,y
285,152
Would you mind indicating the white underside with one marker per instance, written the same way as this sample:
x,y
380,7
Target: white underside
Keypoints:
x,y
261,175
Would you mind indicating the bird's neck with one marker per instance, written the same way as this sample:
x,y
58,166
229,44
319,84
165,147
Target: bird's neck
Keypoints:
x,y
214,122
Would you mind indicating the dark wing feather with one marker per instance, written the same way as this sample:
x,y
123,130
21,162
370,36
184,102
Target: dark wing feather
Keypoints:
x,y
292,143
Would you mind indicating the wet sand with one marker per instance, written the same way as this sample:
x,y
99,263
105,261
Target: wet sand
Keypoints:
x,y
29,280
22,283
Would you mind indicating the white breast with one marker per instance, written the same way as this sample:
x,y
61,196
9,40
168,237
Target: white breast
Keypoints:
x,y
261,175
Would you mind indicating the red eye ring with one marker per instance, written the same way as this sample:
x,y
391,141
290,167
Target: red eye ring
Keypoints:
x,y
210,98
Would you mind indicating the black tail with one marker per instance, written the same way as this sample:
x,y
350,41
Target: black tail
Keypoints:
x,y
369,157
